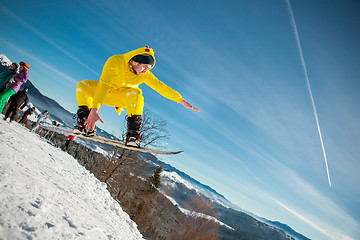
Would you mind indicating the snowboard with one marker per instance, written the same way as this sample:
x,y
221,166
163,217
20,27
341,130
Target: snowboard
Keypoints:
x,y
108,141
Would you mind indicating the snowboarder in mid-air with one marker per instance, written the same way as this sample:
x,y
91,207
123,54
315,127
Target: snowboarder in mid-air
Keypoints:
x,y
118,87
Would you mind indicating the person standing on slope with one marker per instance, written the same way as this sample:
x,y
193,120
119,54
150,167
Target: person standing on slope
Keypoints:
x,y
42,117
14,84
118,87
28,112
16,102
6,74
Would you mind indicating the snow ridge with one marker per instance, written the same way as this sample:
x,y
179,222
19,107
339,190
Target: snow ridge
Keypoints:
x,y
4,60
196,214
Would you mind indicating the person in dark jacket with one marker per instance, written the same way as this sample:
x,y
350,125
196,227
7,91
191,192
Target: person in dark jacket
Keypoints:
x,y
16,102
6,74
28,112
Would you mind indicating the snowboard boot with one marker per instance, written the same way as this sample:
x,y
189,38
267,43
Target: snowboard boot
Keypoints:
x,y
82,114
134,125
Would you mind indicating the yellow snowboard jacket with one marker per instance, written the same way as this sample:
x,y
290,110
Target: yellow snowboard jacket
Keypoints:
x,y
117,73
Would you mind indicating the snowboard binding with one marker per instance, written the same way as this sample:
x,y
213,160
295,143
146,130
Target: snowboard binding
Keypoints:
x,y
134,126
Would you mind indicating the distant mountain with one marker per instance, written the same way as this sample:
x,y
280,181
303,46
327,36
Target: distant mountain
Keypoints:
x,y
183,188
288,230
42,102
197,186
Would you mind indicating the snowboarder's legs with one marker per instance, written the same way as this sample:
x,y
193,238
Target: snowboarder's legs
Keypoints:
x,y
85,92
127,97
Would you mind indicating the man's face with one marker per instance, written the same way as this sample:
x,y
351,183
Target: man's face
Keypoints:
x,y
140,68
12,67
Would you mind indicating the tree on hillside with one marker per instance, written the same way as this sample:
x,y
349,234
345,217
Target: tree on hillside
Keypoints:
x,y
154,132
155,179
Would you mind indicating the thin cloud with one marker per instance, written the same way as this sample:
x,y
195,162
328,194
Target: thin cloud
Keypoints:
x,y
302,218
322,203
40,34
24,53
338,220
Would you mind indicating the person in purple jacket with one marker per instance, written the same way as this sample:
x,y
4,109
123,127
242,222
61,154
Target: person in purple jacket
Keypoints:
x,y
14,84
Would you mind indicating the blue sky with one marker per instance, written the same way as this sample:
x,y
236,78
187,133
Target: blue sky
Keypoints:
x,y
255,140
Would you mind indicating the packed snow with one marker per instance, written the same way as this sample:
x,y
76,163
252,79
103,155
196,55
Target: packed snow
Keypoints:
x,y
46,194
4,60
196,214
171,178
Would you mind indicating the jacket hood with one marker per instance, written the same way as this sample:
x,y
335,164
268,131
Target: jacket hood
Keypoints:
x,y
144,50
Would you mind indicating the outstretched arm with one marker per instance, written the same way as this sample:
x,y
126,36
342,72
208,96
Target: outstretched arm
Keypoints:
x,y
188,105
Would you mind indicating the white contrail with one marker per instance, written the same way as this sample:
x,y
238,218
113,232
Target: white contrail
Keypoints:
x,y
308,85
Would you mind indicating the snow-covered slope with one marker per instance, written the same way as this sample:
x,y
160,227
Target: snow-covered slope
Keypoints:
x,y
182,187
172,177
46,194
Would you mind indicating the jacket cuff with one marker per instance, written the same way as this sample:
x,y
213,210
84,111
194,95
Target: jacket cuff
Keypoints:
x,y
179,100
96,105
